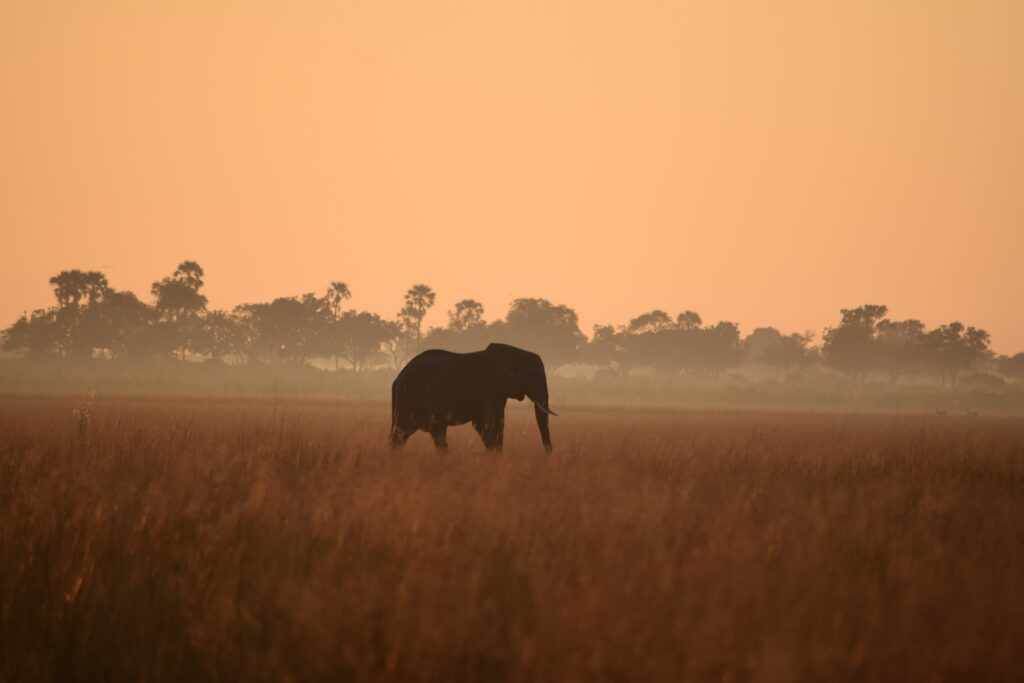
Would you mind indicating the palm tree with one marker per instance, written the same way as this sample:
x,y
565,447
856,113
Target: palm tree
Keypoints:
x,y
336,294
418,300
71,286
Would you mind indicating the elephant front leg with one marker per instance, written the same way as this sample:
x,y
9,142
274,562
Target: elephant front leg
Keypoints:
x,y
499,433
492,432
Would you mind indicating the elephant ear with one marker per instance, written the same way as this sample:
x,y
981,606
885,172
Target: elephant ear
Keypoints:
x,y
505,379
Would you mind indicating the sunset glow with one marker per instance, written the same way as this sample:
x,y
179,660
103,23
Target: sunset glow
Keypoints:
x,y
766,166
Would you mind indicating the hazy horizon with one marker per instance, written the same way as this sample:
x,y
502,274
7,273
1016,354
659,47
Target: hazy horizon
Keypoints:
x,y
764,166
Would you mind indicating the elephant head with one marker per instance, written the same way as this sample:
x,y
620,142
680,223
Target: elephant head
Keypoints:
x,y
520,374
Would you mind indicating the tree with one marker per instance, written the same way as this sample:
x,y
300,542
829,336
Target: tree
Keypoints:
x,y
761,342
466,315
551,330
36,334
395,342
1011,367
604,347
287,328
118,321
76,292
688,320
318,322
900,347
851,347
418,300
651,340
718,347
89,316
791,354
784,353
653,321
329,334
657,341
246,333
405,336
360,336
953,347
337,293
223,334
190,273
466,329
179,303
72,286
177,300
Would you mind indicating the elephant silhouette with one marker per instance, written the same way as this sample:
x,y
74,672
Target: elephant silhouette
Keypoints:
x,y
439,389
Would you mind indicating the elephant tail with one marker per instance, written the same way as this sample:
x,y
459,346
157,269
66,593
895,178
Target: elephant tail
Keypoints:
x,y
399,432
396,400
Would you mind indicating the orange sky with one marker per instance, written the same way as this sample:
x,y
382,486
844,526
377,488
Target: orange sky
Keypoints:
x,y
761,162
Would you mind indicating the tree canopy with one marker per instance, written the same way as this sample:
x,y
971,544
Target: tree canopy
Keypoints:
x,y
89,318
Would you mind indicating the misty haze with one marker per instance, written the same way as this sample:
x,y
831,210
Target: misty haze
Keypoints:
x,y
508,341
94,337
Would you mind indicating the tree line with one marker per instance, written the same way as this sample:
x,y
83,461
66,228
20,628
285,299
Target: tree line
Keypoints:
x,y
91,319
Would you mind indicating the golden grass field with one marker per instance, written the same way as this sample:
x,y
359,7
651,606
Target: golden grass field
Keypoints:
x,y
235,539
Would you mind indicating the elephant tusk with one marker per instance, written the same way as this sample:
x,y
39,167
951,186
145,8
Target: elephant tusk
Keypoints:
x,y
545,409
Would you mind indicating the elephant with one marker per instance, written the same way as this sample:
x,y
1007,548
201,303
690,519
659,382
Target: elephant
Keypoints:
x,y
438,389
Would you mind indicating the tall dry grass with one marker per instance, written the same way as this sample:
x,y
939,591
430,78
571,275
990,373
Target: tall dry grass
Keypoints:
x,y
245,540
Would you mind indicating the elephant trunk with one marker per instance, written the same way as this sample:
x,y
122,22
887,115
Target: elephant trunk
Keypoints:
x,y
542,425
542,411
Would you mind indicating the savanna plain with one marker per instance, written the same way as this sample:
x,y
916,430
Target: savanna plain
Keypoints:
x,y
260,539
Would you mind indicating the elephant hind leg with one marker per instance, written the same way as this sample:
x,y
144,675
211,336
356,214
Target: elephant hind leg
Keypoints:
x,y
440,437
399,436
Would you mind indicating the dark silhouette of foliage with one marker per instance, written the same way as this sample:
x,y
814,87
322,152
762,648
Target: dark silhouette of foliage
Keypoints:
x,y
656,340
404,337
177,299
359,337
1012,367
337,293
551,330
287,328
467,314
900,347
466,329
117,322
718,348
654,321
179,303
783,353
71,287
35,334
418,300
604,348
851,347
395,342
90,319
952,348
223,336
688,320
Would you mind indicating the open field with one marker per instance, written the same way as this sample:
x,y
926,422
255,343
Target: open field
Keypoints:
x,y
252,540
